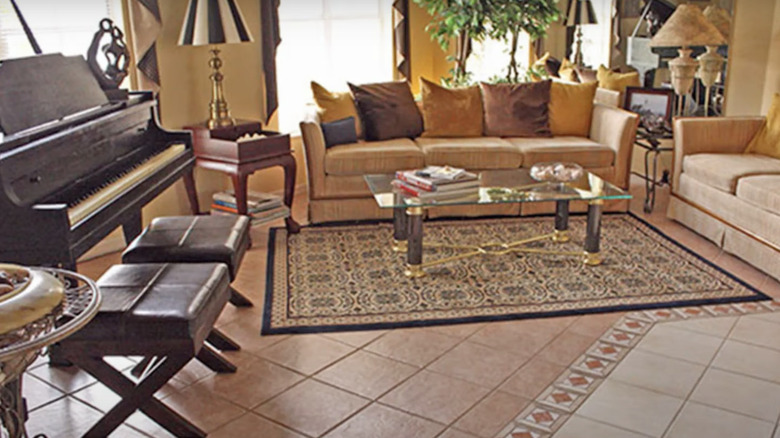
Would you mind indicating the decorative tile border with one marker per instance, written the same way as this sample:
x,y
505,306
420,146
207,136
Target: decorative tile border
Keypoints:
x,y
545,415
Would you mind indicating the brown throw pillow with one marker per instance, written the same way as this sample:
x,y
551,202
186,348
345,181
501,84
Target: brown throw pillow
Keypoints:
x,y
517,110
451,112
387,110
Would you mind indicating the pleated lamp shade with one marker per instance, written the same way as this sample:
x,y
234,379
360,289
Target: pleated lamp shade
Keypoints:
x,y
687,27
720,18
210,22
580,12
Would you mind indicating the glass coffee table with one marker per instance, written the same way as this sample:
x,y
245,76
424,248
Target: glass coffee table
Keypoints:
x,y
497,187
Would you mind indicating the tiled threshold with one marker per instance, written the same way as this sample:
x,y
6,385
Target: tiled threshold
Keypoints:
x,y
708,371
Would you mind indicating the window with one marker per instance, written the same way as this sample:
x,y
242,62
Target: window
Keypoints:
x,y
331,42
490,58
596,38
60,26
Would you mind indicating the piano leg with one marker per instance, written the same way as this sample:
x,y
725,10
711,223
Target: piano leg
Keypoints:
x,y
192,193
132,227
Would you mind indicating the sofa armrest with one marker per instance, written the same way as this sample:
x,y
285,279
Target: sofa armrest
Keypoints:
x,y
615,128
314,152
697,135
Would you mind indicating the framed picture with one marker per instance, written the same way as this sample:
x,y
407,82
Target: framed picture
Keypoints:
x,y
654,106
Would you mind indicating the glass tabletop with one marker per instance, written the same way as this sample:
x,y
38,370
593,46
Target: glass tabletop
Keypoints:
x,y
501,187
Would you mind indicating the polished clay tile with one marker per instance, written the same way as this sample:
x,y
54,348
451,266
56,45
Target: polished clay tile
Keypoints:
x,y
379,421
414,346
366,374
491,414
478,364
306,354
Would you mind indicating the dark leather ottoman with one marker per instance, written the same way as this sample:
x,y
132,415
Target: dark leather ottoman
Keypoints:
x,y
194,239
162,312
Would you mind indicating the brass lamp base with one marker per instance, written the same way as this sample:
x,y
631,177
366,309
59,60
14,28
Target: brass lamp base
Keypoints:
x,y
219,115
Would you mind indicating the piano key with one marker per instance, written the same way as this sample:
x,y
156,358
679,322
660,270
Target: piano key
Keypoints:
x,y
107,193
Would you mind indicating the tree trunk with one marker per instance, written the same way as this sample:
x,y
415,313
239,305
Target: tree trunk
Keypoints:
x,y
463,51
512,75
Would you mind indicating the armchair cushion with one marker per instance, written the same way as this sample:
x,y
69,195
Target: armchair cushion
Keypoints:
x,y
723,171
763,191
767,141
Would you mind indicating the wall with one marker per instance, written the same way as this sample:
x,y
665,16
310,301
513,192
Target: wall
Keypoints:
x,y
428,59
772,82
749,54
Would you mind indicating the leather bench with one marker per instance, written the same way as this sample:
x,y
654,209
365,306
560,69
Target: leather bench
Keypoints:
x,y
196,239
163,312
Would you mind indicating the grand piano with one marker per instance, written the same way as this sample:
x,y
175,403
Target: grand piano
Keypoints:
x,y
74,165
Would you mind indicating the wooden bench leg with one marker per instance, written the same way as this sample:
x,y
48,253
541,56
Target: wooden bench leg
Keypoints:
x,y
212,359
222,341
137,396
239,300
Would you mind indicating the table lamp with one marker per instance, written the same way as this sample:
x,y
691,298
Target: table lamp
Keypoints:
x,y
686,27
214,22
580,13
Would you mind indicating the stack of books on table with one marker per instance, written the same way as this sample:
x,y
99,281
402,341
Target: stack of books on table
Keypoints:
x,y
435,183
261,207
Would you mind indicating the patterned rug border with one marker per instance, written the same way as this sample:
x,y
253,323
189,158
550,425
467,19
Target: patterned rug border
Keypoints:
x,y
266,328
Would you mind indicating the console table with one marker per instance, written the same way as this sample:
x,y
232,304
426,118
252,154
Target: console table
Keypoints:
x,y
220,149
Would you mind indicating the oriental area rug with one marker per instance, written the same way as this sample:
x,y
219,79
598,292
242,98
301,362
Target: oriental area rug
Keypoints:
x,y
347,277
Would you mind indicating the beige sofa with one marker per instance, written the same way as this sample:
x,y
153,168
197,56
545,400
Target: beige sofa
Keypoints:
x,y
337,191
729,197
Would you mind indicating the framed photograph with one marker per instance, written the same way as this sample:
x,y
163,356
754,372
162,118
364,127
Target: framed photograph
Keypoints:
x,y
654,106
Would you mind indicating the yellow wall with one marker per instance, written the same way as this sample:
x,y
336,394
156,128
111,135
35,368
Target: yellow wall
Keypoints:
x,y
772,84
749,55
428,59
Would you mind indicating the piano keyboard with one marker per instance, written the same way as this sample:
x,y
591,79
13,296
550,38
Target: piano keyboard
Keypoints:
x,y
105,194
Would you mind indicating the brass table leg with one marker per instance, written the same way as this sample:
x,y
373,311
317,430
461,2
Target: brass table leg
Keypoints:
x,y
400,227
414,243
561,234
593,234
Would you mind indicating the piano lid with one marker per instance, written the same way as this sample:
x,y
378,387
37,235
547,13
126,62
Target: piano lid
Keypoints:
x,y
45,88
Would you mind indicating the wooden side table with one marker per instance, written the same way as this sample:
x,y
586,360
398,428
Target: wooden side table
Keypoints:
x,y
219,149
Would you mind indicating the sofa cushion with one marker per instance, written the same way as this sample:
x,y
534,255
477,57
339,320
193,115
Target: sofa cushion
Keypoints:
x,y
585,152
517,110
763,191
471,153
571,108
722,171
451,112
387,110
333,106
373,157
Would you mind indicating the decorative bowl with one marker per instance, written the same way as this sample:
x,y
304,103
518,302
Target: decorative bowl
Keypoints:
x,y
556,172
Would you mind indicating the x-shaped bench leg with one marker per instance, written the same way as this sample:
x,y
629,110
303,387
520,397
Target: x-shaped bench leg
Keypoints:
x,y
137,396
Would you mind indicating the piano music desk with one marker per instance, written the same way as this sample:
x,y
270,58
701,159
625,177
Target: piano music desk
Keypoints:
x,y
218,149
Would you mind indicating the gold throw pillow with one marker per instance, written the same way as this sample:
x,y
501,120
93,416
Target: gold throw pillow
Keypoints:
x,y
617,81
767,141
335,106
571,108
451,112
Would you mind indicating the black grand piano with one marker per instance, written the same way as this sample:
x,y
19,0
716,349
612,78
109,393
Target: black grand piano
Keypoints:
x,y
73,165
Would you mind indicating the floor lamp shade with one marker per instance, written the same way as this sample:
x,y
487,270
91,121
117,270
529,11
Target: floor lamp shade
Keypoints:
x,y
686,27
214,22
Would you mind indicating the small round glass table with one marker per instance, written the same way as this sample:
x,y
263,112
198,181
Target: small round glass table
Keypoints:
x,y
23,346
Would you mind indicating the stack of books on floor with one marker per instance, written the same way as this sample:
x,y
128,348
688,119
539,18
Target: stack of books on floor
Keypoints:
x,y
435,183
261,207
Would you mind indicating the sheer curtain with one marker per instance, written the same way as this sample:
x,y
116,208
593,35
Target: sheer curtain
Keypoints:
x,y
331,42
596,38
58,25
490,58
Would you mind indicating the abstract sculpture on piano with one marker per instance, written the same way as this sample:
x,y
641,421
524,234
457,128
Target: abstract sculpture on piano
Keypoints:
x,y
117,59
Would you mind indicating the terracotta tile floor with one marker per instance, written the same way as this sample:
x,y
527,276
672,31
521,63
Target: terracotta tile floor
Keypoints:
x,y
456,381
